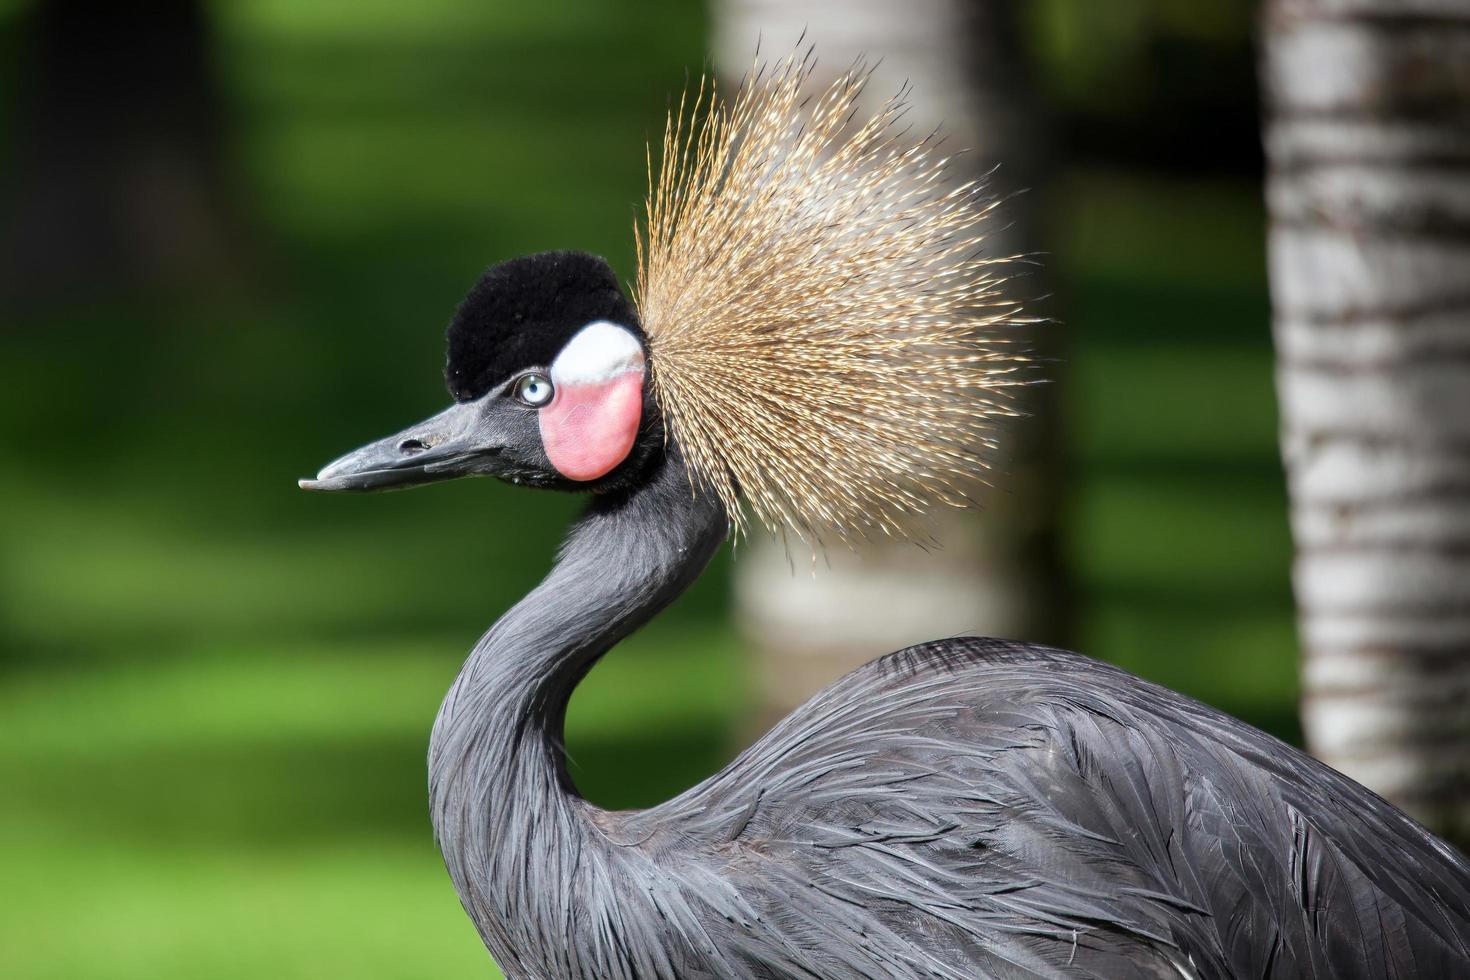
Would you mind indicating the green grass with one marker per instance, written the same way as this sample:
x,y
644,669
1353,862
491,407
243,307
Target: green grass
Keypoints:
x,y
215,691
1180,538
258,811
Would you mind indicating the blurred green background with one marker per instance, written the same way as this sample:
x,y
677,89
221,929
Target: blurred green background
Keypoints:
x,y
216,691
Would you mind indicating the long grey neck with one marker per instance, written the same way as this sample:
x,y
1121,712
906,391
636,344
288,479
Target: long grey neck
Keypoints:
x,y
507,818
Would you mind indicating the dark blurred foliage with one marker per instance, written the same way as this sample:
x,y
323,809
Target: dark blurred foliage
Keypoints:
x,y
234,233
118,172
1154,85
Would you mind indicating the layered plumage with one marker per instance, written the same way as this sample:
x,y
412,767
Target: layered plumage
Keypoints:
x,y
965,809
979,808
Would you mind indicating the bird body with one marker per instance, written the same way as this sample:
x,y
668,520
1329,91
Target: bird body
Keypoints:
x,y
812,339
966,808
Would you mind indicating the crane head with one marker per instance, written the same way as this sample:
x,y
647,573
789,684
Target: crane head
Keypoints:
x,y
818,329
547,369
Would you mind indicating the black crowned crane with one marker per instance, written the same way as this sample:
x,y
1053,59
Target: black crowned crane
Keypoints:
x,y
814,339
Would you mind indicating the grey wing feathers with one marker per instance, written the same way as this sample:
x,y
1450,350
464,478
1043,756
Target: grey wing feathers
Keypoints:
x,y
974,808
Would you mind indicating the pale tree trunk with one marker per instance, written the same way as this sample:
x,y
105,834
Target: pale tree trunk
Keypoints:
x,y
998,573
1369,191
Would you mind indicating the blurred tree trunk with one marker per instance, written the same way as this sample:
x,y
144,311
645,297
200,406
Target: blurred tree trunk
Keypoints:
x,y
116,176
999,573
1369,192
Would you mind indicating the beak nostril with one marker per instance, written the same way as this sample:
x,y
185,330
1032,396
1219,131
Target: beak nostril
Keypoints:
x,y
410,447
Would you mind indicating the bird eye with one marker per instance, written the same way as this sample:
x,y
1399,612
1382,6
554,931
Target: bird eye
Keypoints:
x,y
534,389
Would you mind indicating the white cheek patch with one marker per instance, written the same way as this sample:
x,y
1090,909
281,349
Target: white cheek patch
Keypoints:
x,y
599,352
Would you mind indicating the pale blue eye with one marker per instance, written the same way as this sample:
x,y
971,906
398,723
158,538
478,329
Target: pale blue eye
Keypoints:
x,y
534,389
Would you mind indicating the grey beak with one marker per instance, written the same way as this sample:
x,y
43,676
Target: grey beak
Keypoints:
x,y
440,448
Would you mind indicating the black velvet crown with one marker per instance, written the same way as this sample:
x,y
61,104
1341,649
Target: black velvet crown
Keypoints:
x,y
522,312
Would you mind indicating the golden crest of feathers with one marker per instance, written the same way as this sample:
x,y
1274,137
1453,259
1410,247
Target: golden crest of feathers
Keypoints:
x,y
823,329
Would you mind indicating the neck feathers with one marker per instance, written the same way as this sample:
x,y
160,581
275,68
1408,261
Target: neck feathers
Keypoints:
x,y
508,820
